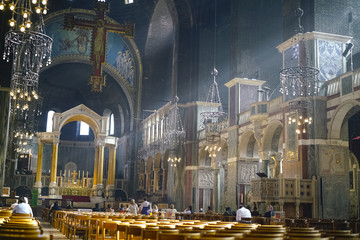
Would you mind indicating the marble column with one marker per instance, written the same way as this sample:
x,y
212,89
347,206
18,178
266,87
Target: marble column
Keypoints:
x,y
110,187
216,191
53,172
4,130
100,170
156,179
38,184
94,186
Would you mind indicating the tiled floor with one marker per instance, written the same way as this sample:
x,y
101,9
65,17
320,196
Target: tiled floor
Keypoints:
x,y
49,230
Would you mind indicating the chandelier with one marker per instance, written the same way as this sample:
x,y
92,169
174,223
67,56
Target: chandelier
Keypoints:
x,y
174,134
27,45
214,119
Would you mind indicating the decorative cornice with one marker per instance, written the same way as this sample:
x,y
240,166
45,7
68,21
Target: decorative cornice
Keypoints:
x,y
311,36
244,81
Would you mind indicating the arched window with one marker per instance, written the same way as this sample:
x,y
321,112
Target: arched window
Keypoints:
x,y
84,129
49,121
112,125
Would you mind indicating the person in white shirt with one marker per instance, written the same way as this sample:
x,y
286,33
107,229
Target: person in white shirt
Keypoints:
x,y
173,211
133,207
23,207
145,207
242,213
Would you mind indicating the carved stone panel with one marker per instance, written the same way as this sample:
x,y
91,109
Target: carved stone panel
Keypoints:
x,y
333,160
336,197
246,172
206,179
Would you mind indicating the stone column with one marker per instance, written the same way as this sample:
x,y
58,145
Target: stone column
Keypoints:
x,y
54,160
38,183
156,179
100,170
94,187
110,187
216,191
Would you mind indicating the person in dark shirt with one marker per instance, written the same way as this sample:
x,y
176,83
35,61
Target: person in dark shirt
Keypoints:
x,y
270,212
255,213
228,212
97,208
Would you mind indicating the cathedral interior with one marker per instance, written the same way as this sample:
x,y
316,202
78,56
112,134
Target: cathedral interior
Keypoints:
x,y
187,102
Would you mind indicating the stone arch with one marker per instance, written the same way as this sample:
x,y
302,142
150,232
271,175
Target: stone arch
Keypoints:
x,y
157,161
97,123
338,118
149,165
70,166
273,136
248,143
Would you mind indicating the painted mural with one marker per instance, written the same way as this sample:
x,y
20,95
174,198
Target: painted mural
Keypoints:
x,y
119,56
76,42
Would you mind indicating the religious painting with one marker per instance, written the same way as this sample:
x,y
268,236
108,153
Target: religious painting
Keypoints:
x,y
120,57
330,60
141,182
5,192
69,42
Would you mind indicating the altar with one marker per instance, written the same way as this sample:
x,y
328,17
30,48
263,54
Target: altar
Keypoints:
x,y
75,185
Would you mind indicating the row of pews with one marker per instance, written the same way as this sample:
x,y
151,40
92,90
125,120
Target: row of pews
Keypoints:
x,y
104,225
20,226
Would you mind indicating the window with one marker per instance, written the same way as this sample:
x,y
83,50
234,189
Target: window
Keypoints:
x,y
84,129
49,121
129,1
112,124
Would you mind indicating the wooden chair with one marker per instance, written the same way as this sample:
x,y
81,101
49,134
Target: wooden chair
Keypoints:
x,y
80,226
109,230
24,237
178,236
135,231
224,234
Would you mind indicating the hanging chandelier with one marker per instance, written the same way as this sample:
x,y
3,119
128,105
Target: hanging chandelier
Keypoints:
x,y
174,134
27,45
213,119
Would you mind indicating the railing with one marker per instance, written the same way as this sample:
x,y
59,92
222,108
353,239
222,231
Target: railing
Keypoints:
x,y
285,189
338,85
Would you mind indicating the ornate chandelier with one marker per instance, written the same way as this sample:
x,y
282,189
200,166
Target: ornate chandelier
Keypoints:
x,y
174,134
27,45
214,119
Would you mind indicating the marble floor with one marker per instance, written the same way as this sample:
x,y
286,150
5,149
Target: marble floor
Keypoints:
x,y
50,230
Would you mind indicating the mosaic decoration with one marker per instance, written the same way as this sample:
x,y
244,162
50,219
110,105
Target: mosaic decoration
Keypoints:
x,y
77,42
330,60
292,56
119,56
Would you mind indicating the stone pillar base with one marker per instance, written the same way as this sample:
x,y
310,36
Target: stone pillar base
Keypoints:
x,y
97,190
38,186
52,188
110,193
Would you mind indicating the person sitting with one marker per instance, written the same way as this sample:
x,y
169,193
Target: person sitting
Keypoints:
x,y
133,207
97,208
23,207
122,209
209,211
228,212
155,209
109,208
188,210
255,213
173,211
242,213
201,210
145,207
269,212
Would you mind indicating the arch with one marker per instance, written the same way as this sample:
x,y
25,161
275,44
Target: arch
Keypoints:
x,y
246,138
121,196
149,165
272,132
70,166
338,118
157,162
97,123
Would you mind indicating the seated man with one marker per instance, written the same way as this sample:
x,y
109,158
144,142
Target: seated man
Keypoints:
x,y
23,207
243,213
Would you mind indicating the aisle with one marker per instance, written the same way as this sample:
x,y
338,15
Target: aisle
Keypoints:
x,y
48,229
